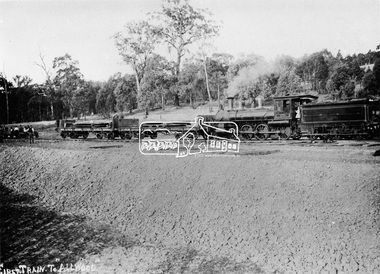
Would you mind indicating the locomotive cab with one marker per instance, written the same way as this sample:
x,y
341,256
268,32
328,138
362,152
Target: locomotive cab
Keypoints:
x,y
287,107
287,114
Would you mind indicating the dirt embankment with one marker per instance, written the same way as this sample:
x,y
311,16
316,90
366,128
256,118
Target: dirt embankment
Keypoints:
x,y
295,210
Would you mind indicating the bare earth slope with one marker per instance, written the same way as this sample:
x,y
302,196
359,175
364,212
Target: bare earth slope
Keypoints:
x,y
282,208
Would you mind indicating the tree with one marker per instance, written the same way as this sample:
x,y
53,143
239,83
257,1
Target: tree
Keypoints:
x,y
369,85
289,83
192,82
101,102
339,55
136,44
84,99
21,81
354,71
159,80
67,80
181,25
22,92
314,71
111,103
37,105
204,50
218,67
106,99
49,91
339,80
376,73
93,88
125,93
284,79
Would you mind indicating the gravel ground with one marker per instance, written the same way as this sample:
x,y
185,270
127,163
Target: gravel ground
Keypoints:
x,y
275,207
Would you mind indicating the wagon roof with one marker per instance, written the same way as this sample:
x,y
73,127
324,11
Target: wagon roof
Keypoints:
x,y
83,123
341,103
303,96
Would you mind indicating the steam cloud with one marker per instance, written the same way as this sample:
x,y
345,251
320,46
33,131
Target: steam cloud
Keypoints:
x,y
247,76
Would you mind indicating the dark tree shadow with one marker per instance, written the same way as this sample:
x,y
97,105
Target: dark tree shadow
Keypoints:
x,y
31,235
35,236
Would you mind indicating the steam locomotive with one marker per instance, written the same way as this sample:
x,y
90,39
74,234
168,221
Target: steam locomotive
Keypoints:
x,y
301,116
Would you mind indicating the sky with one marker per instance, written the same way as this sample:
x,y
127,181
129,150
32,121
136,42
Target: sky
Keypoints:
x,y
270,28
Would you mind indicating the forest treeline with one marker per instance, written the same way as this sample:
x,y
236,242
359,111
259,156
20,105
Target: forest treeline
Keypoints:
x,y
197,76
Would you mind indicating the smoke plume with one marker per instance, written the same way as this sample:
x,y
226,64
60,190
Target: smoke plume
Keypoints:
x,y
247,76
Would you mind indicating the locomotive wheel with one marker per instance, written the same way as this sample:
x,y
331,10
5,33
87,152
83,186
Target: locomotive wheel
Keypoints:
x,y
247,136
111,136
262,136
85,136
99,136
153,135
72,135
285,133
122,136
128,136
63,135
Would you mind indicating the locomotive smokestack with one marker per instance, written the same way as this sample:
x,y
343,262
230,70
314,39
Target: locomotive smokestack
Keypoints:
x,y
230,103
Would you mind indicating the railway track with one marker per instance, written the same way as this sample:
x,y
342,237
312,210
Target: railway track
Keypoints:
x,y
302,141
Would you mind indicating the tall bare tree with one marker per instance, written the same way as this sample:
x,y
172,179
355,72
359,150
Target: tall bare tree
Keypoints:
x,y
49,83
136,43
181,25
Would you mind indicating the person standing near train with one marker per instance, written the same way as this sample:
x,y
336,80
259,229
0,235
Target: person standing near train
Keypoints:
x,y
31,135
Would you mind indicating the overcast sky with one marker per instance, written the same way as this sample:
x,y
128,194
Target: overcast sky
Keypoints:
x,y
269,28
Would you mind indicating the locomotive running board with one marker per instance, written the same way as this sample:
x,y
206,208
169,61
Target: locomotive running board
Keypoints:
x,y
259,132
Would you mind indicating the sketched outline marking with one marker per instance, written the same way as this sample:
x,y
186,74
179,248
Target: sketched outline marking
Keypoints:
x,y
140,139
198,121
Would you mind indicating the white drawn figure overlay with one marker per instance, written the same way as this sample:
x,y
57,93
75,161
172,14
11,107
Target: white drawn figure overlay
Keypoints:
x,y
219,137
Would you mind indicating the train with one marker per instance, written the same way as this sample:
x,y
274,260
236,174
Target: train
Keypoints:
x,y
292,117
